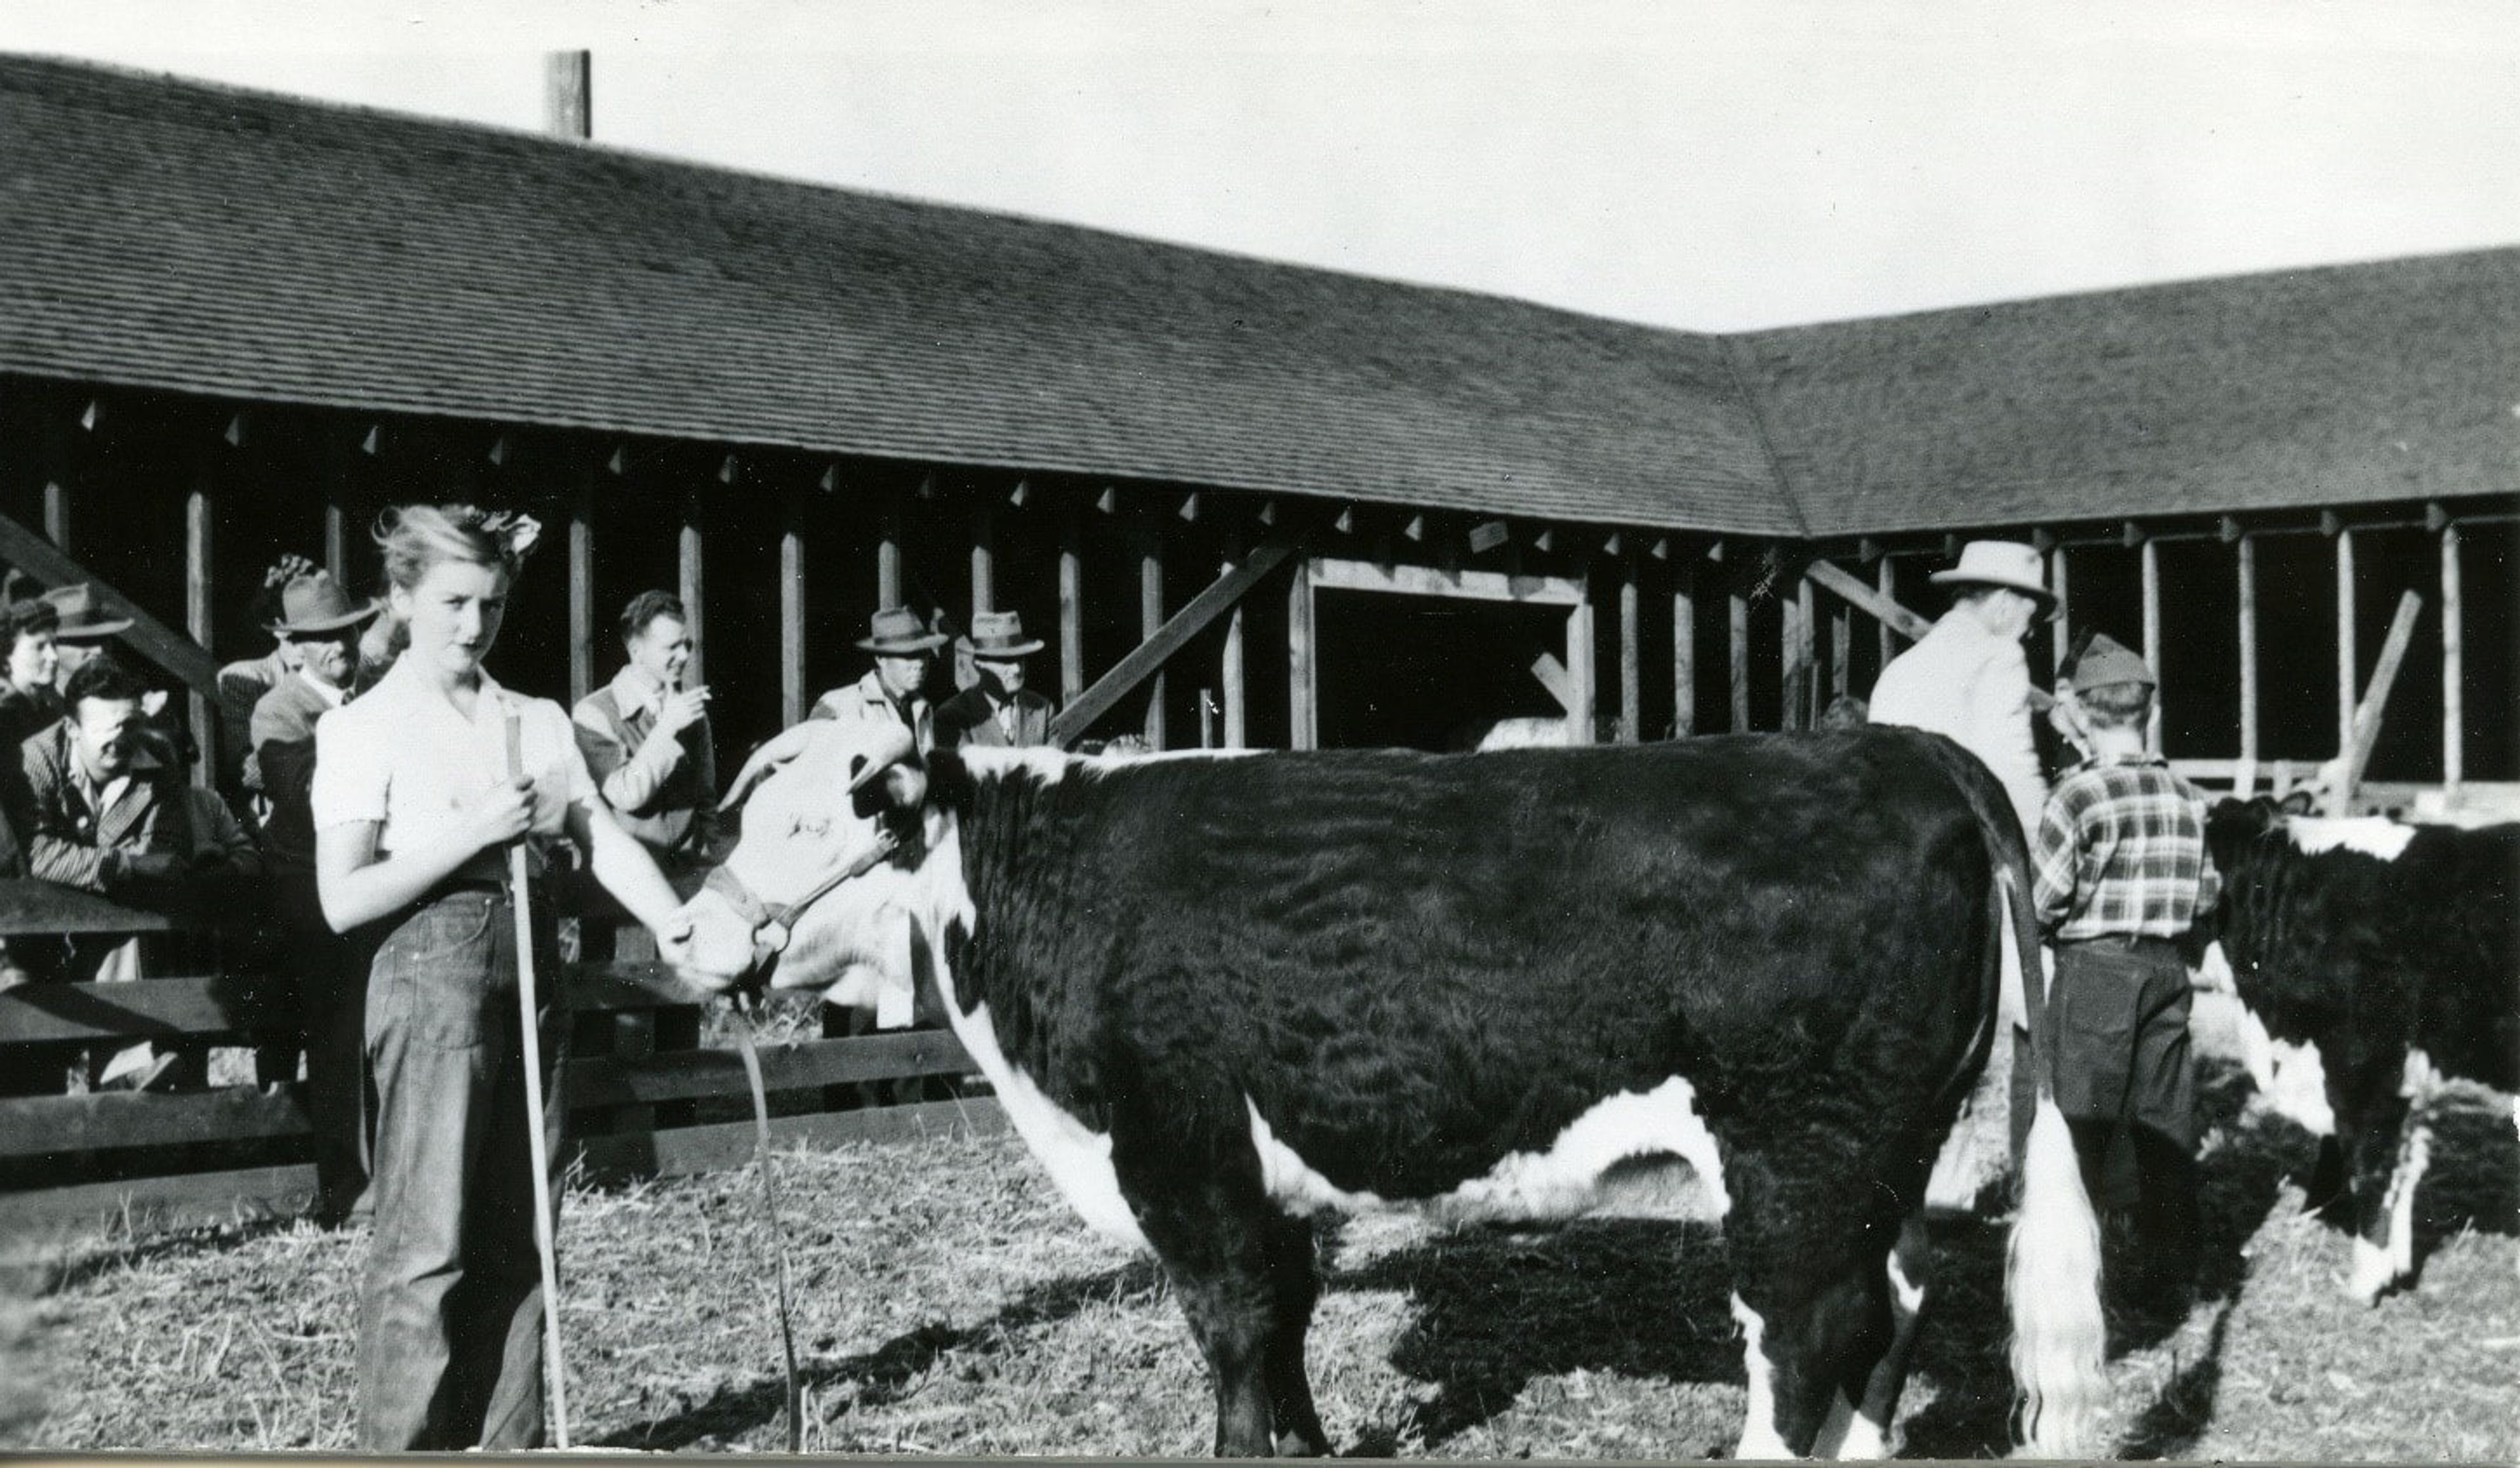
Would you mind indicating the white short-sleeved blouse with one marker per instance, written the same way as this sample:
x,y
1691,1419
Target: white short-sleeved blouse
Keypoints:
x,y
400,755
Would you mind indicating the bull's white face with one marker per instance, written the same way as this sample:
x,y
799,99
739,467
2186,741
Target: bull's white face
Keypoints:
x,y
824,799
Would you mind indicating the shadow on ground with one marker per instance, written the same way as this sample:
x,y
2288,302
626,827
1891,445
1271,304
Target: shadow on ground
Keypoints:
x,y
879,1375
1496,1308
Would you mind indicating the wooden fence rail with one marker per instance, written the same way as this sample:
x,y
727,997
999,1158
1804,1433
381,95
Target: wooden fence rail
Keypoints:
x,y
198,1136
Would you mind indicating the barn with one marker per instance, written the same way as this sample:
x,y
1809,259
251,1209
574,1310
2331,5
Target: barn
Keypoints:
x,y
1248,504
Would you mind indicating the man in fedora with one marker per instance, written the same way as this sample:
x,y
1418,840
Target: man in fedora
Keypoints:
x,y
905,651
997,709
244,682
318,626
1968,679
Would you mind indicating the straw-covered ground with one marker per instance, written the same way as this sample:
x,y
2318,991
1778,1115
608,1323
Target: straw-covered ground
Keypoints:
x,y
950,1304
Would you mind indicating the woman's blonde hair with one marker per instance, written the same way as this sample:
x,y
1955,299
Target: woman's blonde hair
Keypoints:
x,y
413,538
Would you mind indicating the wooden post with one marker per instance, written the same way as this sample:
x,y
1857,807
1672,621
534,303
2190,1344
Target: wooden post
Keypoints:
x,y
2244,778
888,552
1885,577
336,538
1230,672
2151,567
1684,649
56,441
568,94
791,606
1739,624
984,561
2345,670
1071,603
1581,678
694,586
1630,671
2453,721
1806,630
581,587
1303,719
1794,657
2061,634
1841,670
205,714
1150,620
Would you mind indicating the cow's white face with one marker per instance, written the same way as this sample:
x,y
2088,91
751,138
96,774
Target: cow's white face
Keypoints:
x,y
834,820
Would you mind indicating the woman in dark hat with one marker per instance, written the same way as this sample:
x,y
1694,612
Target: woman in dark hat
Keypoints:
x,y
29,704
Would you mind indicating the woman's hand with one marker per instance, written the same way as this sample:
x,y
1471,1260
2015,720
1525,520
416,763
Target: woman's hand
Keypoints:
x,y
502,813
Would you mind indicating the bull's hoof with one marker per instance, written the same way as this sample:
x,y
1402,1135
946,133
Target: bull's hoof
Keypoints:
x,y
2372,1275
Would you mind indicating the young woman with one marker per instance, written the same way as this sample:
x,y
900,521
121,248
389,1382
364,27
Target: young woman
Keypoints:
x,y
29,702
412,814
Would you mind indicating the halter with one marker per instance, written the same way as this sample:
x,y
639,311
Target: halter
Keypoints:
x,y
773,922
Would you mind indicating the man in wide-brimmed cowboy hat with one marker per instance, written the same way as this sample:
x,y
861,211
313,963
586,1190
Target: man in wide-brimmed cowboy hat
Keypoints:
x,y
318,626
1968,678
905,652
998,709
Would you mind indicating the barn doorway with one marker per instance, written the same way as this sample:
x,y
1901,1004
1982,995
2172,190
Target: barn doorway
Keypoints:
x,y
1413,658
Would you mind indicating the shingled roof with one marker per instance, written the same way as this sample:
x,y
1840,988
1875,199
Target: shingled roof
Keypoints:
x,y
2344,385
184,236
178,234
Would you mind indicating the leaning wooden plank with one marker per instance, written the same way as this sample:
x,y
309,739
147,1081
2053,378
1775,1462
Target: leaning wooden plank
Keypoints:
x,y
153,640
40,1125
2375,702
684,1075
701,1149
149,1009
151,1204
1150,654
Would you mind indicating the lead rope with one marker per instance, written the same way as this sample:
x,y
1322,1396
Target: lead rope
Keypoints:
x,y
743,1042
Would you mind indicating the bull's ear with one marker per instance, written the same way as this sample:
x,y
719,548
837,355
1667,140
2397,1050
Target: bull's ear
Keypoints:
x,y
782,747
2301,802
896,747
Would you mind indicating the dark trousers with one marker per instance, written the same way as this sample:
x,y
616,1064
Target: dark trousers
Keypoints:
x,y
2127,1085
451,1310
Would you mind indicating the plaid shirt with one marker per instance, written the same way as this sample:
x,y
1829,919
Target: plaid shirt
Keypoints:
x,y
2121,849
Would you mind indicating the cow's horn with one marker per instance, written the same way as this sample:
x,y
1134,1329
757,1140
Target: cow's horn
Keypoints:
x,y
781,747
897,748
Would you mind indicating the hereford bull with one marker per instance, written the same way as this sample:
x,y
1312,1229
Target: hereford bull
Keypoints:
x,y
2392,952
1217,996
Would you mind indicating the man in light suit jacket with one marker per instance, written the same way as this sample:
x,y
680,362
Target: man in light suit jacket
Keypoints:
x,y
905,652
998,710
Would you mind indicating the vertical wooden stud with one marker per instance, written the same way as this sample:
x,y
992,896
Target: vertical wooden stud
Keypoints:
x,y
695,585
1738,625
2453,709
1885,580
1683,650
2244,778
581,587
792,608
204,712
1303,720
2151,573
1631,652
1150,620
2060,632
984,560
2345,670
1071,603
1582,681
1230,673
888,552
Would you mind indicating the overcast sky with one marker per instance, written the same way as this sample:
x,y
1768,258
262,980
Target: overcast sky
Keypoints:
x,y
1705,165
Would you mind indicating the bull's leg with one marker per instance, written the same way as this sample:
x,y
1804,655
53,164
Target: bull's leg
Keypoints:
x,y
1873,1432
2371,1117
1296,1278
1202,1210
2384,1236
1813,1293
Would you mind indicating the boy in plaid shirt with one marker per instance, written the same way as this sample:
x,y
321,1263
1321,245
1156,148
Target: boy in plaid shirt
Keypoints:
x,y
2121,871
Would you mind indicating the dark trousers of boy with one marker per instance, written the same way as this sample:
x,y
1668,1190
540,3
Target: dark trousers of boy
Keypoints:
x,y
2127,1086
451,1312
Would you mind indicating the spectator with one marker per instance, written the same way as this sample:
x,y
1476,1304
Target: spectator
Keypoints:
x,y
30,702
646,738
998,709
243,683
905,653
103,812
2121,873
318,625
